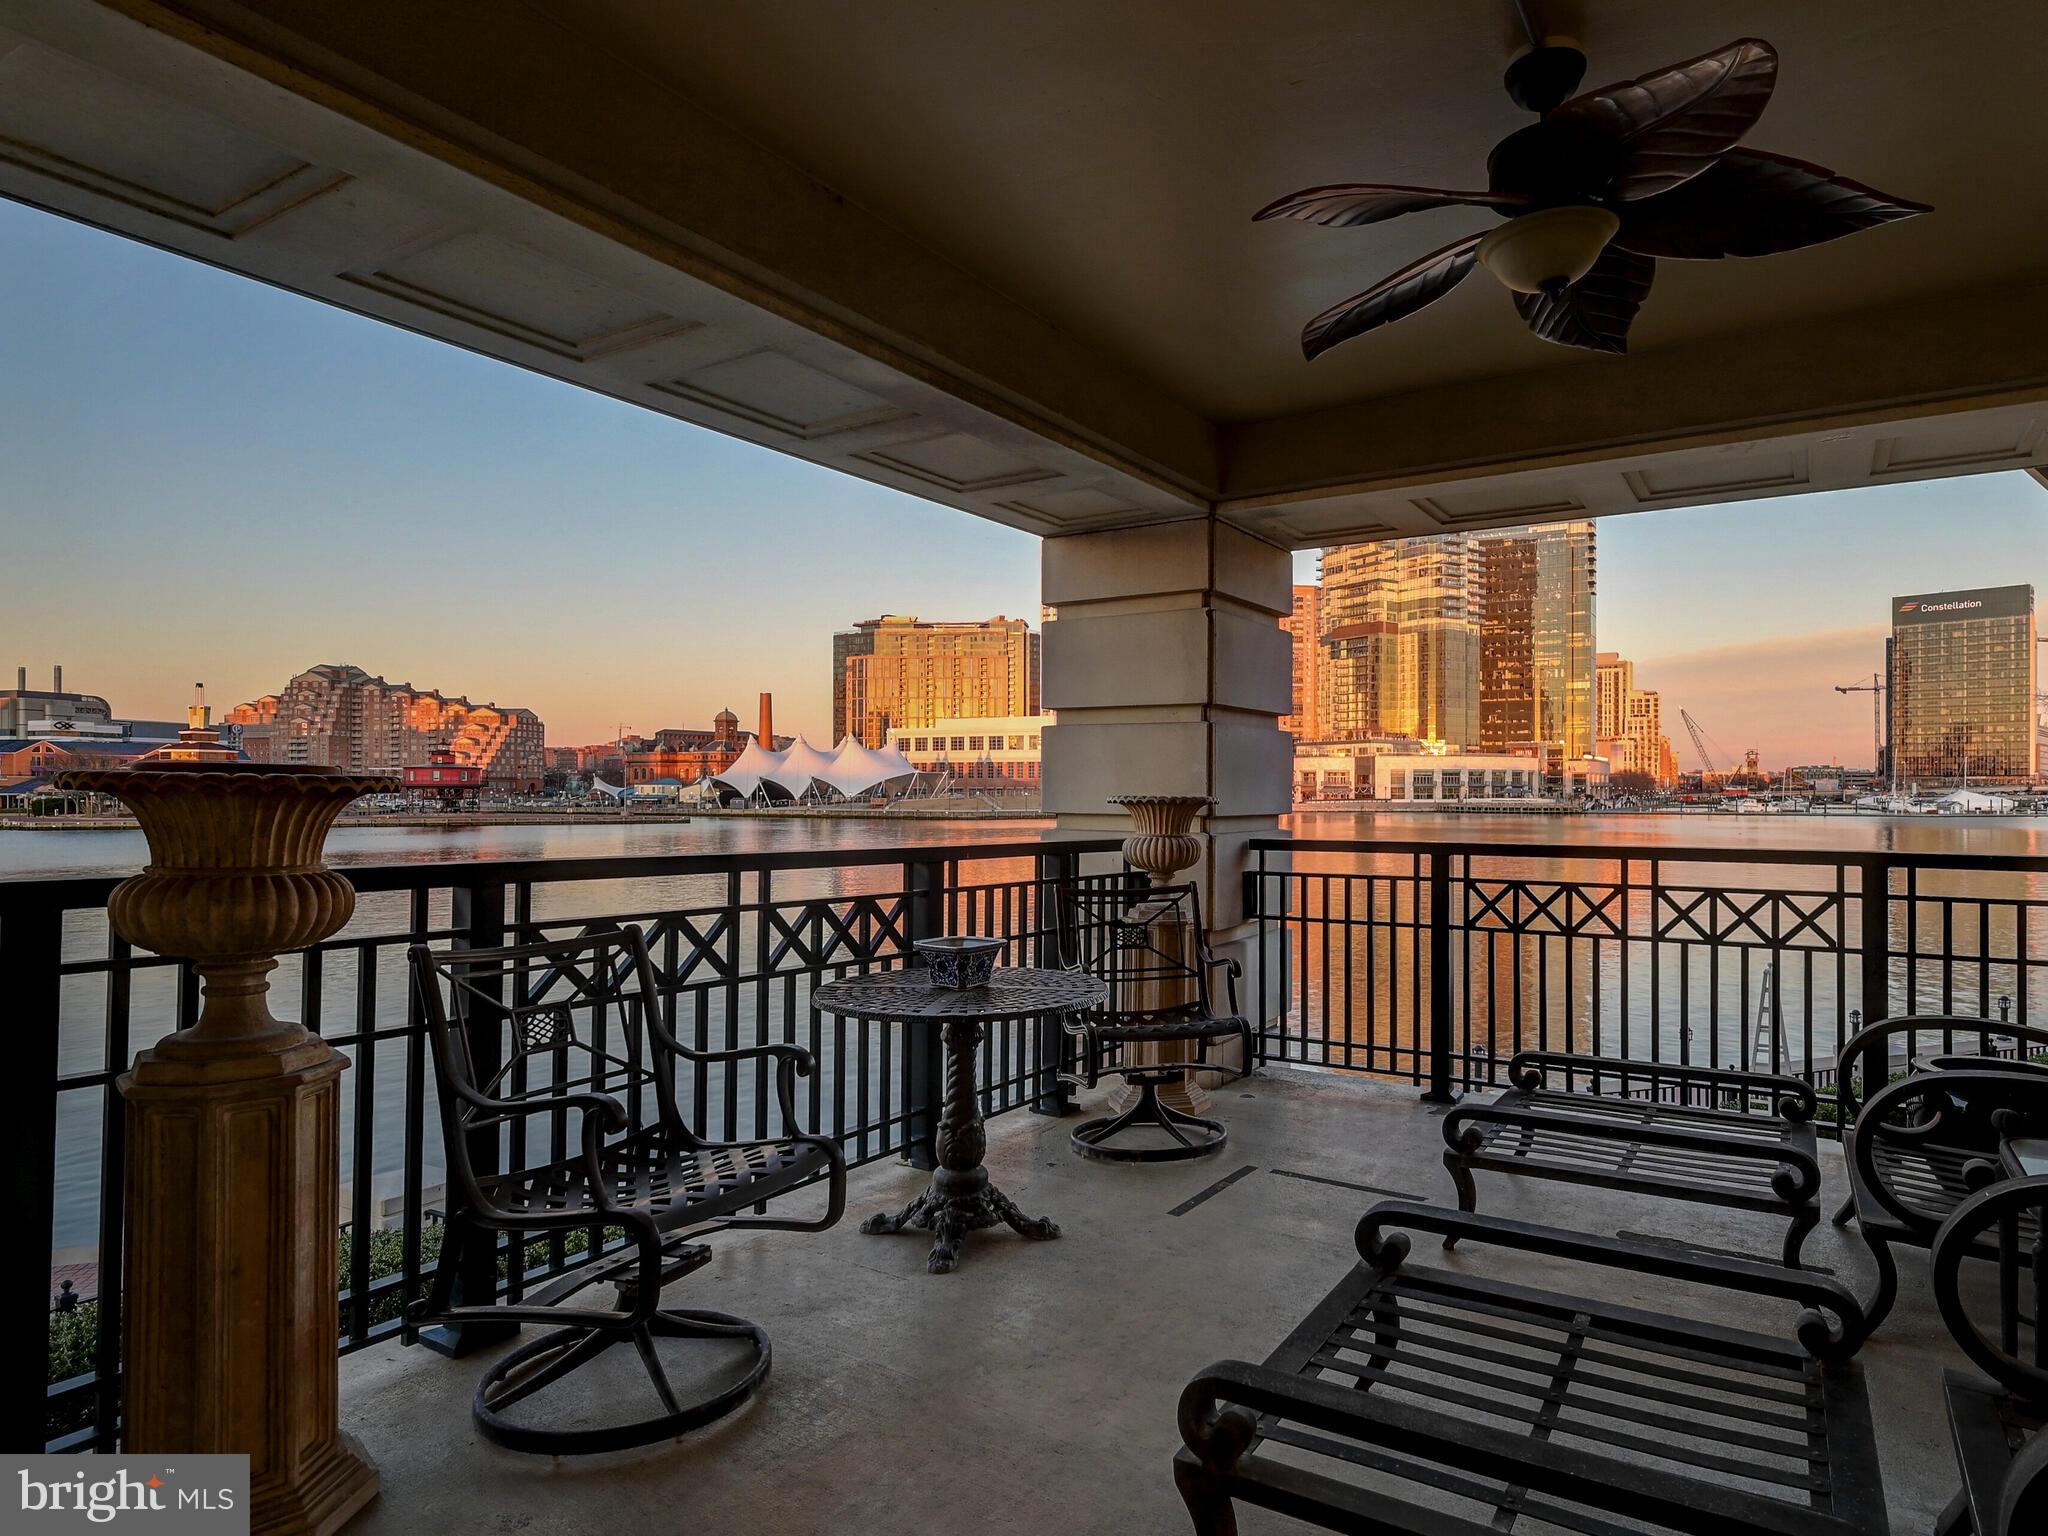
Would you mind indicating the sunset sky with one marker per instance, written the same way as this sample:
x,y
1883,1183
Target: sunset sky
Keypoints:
x,y
204,478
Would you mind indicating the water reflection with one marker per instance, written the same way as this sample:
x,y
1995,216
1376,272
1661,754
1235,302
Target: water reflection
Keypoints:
x,y
1654,936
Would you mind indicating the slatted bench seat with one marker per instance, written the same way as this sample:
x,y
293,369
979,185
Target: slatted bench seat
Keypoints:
x,y
1741,1140
1431,1402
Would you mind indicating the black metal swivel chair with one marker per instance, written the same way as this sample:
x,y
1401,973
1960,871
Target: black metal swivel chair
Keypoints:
x,y
1111,933
2000,1427
1924,1145
1886,1049
590,1061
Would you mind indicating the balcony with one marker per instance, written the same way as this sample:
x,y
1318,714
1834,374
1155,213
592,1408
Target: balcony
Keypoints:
x,y
1392,974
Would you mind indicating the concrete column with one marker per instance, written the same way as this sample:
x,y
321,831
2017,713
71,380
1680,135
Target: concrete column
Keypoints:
x,y
1169,672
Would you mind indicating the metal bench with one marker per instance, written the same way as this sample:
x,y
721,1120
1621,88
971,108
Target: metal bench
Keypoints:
x,y
1429,1402
1741,1140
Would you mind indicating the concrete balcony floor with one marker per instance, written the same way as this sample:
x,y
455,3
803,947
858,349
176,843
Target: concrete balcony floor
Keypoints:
x,y
1033,1390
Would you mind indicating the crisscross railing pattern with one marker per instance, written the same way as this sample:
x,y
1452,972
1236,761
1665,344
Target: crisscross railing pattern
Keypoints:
x,y
1437,961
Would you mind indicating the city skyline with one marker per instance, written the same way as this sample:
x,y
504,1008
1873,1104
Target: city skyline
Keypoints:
x,y
520,540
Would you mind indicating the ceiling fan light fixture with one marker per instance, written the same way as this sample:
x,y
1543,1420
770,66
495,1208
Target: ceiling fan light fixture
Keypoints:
x,y
1549,250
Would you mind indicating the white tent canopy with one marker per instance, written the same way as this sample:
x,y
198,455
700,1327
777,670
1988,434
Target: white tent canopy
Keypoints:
x,y
852,769
859,769
804,767
750,770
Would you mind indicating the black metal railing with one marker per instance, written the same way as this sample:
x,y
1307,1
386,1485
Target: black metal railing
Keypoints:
x,y
739,942
1435,961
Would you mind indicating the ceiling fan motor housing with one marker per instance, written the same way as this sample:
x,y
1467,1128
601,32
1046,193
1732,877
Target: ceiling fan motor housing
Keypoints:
x,y
1558,160
1542,76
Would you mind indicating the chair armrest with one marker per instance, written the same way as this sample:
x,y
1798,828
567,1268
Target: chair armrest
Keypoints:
x,y
1792,1097
1817,1294
1990,1064
1802,1184
1232,969
791,1062
1857,1045
2022,1093
602,1114
801,1060
607,1111
1992,1217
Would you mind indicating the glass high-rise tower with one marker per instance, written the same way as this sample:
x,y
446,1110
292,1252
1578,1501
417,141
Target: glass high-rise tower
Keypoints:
x,y
1401,640
901,671
1962,681
1537,658
1474,639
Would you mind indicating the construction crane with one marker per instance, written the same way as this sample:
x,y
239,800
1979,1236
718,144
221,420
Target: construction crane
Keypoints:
x,y
1876,691
1699,743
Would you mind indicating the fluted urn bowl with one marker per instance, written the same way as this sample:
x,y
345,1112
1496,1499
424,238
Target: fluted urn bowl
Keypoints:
x,y
1162,845
235,872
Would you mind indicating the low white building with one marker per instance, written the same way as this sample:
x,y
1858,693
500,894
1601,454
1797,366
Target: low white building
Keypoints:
x,y
1447,776
1398,770
995,754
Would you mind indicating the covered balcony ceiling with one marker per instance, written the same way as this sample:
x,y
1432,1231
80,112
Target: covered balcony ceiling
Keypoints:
x,y
1002,256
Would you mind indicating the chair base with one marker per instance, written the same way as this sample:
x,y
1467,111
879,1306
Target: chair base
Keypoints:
x,y
1193,1136
534,1366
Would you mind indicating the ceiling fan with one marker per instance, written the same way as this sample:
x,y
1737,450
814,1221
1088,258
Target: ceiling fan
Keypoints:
x,y
1598,188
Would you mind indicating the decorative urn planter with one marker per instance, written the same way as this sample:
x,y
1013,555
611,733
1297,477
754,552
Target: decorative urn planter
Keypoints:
x,y
234,877
231,1316
1162,846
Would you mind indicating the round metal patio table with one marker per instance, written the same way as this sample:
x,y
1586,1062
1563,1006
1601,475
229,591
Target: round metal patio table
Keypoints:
x,y
960,1198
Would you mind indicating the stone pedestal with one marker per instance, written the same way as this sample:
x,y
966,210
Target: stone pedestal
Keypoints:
x,y
232,1241
234,1142
1174,937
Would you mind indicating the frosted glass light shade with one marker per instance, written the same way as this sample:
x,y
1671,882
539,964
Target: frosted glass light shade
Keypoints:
x,y
1551,248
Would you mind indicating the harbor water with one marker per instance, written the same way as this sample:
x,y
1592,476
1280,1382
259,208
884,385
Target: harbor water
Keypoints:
x,y
51,854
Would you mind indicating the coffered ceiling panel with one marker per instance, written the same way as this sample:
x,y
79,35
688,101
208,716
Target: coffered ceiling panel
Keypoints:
x,y
502,285
1958,445
776,391
68,121
959,462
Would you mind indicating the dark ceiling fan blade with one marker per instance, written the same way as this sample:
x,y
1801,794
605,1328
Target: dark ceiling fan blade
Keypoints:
x,y
1596,311
1752,203
1673,123
1393,298
1363,202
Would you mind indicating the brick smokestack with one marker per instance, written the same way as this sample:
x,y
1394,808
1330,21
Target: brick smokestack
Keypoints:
x,y
767,732
21,679
57,678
